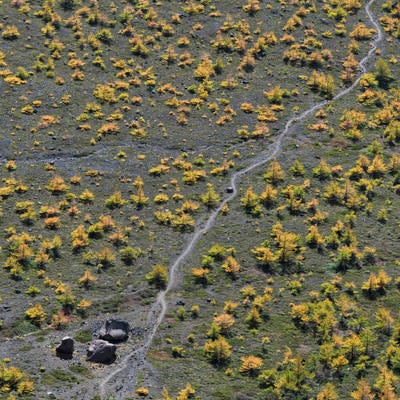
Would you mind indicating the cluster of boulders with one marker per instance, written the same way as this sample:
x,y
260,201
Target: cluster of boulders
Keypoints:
x,y
103,349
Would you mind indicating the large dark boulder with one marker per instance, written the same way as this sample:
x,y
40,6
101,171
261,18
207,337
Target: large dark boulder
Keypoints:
x,y
101,351
66,348
114,330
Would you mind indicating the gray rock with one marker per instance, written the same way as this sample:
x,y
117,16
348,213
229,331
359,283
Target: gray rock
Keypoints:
x,y
114,330
66,347
101,351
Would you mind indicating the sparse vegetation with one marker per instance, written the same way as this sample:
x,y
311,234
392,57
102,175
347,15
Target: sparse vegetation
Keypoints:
x,y
125,127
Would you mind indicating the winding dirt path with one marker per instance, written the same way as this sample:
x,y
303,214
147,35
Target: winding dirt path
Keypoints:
x,y
136,360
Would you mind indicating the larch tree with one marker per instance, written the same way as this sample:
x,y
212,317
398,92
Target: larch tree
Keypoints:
x,y
288,248
87,279
158,276
274,173
251,202
218,351
328,392
382,73
231,266
268,196
139,198
211,198
363,391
